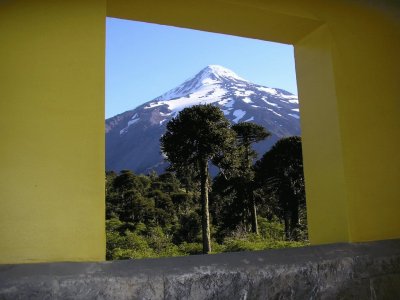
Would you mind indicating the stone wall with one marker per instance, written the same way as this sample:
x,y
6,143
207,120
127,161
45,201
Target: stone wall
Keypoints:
x,y
337,271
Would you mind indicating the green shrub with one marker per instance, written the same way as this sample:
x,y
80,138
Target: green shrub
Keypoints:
x,y
161,243
113,240
135,242
217,248
233,245
190,248
271,230
119,253
254,242
286,244
113,224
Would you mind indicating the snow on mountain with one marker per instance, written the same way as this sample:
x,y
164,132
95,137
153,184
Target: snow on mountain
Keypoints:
x,y
203,88
132,138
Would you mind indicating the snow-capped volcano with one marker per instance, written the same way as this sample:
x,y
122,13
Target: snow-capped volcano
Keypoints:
x,y
132,138
205,87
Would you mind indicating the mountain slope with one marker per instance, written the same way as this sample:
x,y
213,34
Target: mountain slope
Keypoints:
x,y
132,138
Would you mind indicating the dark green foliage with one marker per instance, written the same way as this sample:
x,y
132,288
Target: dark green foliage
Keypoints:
x,y
248,134
229,211
279,174
233,196
142,219
189,229
168,214
198,135
183,202
127,181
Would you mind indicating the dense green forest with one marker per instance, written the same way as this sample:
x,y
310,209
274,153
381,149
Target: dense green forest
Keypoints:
x,y
248,205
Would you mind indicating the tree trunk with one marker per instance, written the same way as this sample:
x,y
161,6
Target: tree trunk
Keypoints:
x,y
205,220
249,193
287,225
285,195
253,211
294,217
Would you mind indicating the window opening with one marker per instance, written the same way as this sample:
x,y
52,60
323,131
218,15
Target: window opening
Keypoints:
x,y
227,173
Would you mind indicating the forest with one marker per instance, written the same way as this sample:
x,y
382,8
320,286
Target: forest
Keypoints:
x,y
249,205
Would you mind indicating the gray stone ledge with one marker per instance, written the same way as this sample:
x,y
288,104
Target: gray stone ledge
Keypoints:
x,y
337,271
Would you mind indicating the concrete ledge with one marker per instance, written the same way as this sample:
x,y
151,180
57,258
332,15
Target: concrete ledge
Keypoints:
x,y
338,271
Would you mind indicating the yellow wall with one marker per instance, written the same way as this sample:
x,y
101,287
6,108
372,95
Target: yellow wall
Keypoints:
x,y
52,119
367,72
321,139
52,131
364,43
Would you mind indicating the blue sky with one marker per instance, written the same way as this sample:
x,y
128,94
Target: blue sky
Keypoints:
x,y
145,60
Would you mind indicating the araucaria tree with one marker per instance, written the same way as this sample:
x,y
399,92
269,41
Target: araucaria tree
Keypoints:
x,y
280,171
248,134
197,136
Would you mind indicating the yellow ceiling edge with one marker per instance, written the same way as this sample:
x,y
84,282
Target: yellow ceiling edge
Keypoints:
x,y
218,17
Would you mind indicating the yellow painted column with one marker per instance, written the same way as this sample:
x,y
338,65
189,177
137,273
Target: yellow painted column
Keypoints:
x,y
327,207
348,73
367,71
52,130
